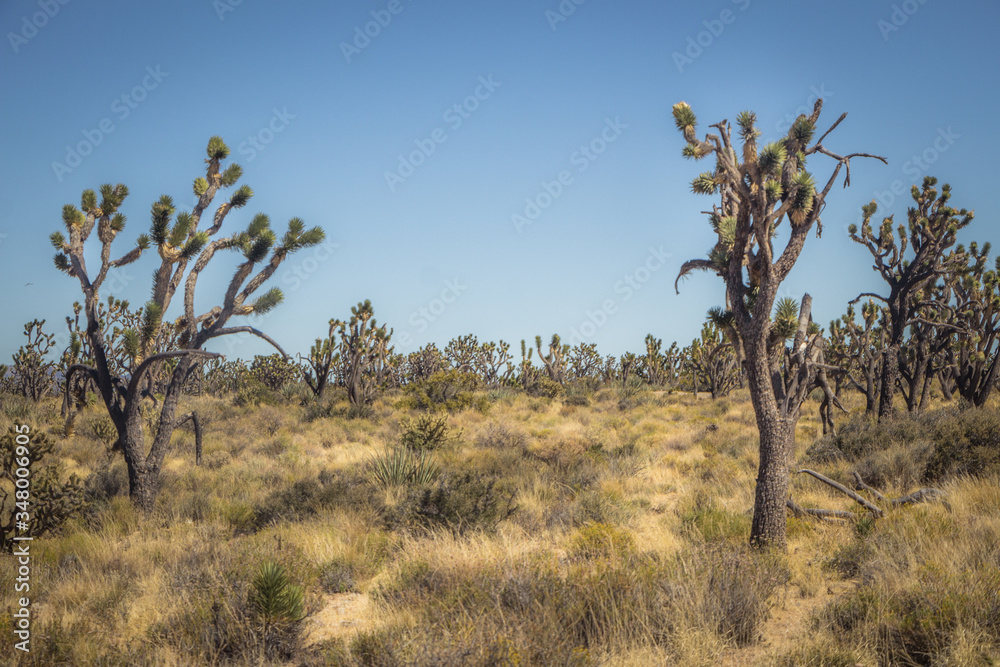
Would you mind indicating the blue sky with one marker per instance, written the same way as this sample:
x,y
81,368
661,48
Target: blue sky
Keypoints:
x,y
562,105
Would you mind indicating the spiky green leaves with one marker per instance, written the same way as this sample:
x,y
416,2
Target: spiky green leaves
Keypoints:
x,y
298,237
772,157
57,240
805,192
704,184
786,318
683,116
273,597
747,121
72,217
231,175
112,197
117,222
773,190
257,240
61,262
267,301
802,131
142,242
194,245
217,149
725,227
151,316
180,231
241,196
88,200
200,186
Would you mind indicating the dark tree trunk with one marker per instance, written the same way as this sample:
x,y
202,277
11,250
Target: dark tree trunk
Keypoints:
x,y
777,438
890,374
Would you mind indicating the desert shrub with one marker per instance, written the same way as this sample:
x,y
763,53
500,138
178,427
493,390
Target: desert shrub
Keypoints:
x,y
912,449
337,576
102,429
48,500
427,433
309,497
106,482
273,371
360,411
457,502
544,387
966,442
319,409
502,435
232,614
449,390
253,393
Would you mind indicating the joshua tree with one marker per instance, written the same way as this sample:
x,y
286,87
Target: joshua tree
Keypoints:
x,y
554,364
323,357
584,362
931,230
972,355
759,191
713,361
856,349
179,242
33,373
424,363
658,367
364,351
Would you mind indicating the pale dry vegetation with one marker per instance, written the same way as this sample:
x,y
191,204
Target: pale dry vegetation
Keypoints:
x,y
549,531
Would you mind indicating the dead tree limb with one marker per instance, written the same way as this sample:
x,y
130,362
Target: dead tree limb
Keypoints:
x,y
874,509
798,510
860,484
193,418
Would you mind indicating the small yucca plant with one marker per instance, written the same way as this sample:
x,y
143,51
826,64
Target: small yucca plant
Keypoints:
x,y
274,598
400,466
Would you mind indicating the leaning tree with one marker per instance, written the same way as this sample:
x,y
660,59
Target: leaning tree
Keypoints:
x,y
185,248
760,190
910,259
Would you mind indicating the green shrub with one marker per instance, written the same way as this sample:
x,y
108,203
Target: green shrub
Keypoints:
x,y
459,503
273,371
427,433
449,390
50,500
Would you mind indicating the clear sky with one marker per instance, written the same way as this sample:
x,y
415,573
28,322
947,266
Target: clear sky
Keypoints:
x,y
415,144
